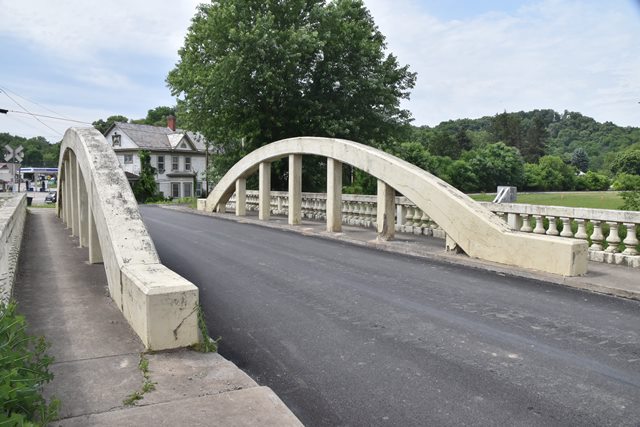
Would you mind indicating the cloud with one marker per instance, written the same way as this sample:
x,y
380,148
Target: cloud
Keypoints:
x,y
581,56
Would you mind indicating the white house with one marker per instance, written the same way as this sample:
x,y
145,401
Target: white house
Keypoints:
x,y
179,156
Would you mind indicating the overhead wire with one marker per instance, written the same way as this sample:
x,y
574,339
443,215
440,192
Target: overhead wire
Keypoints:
x,y
4,89
30,113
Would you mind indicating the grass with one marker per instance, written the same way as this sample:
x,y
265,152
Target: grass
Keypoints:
x,y
147,385
572,199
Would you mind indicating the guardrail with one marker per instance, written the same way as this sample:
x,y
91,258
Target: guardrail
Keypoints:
x,y
612,234
13,212
97,204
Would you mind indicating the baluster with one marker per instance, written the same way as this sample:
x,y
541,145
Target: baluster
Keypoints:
x,y
357,213
424,223
345,212
566,228
631,241
613,238
407,227
323,209
596,237
400,214
526,225
373,214
553,227
417,214
582,229
539,225
366,219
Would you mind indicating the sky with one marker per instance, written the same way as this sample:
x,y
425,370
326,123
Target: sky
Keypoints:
x,y
86,60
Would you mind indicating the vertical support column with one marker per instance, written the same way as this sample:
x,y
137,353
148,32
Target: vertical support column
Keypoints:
x,y
334,195
386,207
264,191
83,208
95,252
66,205
73,192
241,197
295,189
59,202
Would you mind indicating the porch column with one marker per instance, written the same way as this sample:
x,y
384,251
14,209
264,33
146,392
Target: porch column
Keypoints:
x,y
386,207
264,191
241,197
334,195
295,189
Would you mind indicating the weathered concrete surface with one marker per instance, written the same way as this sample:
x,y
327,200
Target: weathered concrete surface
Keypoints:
x,y
475,229
97,353
159,305
257,406
12,217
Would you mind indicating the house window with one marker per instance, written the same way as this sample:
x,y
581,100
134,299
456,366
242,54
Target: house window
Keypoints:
x,y
116,140
175,163
128,159
199,188
175,190
186,189
187,163
161,164
183,145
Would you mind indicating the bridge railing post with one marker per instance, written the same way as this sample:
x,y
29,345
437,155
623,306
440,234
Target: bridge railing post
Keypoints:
x,y
295,189
334,195
264,195
385,220
241,197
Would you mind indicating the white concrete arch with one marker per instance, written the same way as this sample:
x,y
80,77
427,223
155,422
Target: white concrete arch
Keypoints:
x,y
479,232
97,204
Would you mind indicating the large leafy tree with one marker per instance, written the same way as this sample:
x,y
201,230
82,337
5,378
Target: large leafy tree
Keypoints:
x,y
496,164
104,125
255,71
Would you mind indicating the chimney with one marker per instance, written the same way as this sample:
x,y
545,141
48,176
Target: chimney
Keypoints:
x,y
171,122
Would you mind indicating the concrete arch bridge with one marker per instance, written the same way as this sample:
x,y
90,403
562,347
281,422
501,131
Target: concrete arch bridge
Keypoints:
x,y
469,226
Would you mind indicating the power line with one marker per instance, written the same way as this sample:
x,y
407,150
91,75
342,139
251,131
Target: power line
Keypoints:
x,y
30,126
33,115
4,89
48,117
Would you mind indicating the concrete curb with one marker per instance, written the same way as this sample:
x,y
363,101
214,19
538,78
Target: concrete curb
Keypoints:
x,y
617,281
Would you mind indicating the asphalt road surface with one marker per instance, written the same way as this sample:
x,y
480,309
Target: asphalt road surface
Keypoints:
x,y
356,337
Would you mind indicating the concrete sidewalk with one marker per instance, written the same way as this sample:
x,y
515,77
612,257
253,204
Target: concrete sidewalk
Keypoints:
x,y
97,354
603,278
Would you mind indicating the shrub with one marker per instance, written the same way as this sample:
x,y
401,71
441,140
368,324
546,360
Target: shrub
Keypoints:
x,y
625,181
24,369
631,200
592,181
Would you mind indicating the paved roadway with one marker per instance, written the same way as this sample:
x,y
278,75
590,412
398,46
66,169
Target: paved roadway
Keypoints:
x,y
352,336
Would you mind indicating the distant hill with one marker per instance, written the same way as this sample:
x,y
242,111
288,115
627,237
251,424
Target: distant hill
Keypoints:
x,y
535,133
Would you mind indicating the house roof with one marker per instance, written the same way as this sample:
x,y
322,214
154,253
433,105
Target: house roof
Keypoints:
x,y
158,138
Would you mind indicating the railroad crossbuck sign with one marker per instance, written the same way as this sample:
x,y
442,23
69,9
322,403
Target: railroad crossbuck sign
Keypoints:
x,y
13,153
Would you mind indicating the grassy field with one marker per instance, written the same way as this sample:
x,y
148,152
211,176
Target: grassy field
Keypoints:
x,y
573,199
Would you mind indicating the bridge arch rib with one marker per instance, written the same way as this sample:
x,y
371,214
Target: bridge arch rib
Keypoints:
x,y
97,204
476,230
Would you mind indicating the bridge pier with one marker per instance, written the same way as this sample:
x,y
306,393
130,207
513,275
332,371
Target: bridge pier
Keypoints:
x,y
334,195
264,191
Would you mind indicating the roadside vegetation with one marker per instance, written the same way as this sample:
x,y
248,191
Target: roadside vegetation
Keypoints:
x,y
24,369
574,199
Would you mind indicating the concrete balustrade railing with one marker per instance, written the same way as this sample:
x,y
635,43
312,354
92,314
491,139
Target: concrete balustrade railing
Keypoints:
x,y
13,213
468,225
618,246
96,203
612,247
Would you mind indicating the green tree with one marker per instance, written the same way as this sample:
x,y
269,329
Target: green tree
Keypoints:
x,y
261,70
496,164
592,181
145,187
627,162
157,116
104,125
550,173
580,159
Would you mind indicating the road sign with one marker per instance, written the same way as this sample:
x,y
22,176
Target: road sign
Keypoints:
x,y
13,153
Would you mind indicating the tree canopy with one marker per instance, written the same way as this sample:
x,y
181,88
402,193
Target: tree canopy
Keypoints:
x,y
255,71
